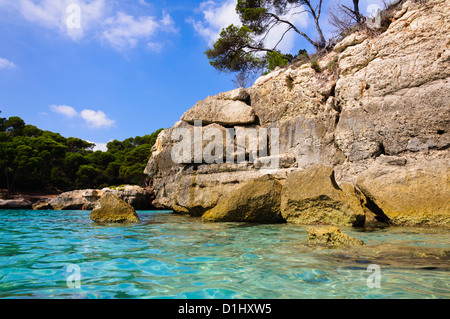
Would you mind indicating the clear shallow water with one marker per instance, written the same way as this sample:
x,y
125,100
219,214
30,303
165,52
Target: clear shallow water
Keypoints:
x,y
171,256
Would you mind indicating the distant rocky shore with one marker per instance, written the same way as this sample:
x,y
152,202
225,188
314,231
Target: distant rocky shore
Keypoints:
x,y
86,199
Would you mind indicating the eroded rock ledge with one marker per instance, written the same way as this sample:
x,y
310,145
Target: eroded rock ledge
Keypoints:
x,y
86,199
365,143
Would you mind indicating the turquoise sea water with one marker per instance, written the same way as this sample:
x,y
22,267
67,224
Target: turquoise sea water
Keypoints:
x,y
172,256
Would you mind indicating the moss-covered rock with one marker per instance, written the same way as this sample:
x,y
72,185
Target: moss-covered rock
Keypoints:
x,y
410,195
331,236
312,196
257,201
112,209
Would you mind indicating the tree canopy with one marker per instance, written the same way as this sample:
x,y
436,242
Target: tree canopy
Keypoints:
x,y
243,49
239,49
33,159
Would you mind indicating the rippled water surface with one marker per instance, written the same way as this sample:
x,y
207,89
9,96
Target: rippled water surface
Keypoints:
x,y
172,256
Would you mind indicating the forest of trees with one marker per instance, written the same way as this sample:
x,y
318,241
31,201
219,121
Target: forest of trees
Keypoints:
x,y
32,159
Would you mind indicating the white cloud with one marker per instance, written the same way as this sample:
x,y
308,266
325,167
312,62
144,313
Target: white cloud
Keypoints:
x,y
5,64
65,110
144,3
97,119
155,46
125,31
99,19
54,14
99,146
217,16
93,119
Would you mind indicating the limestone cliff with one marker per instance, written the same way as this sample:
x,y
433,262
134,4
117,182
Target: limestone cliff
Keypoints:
x,y
375,129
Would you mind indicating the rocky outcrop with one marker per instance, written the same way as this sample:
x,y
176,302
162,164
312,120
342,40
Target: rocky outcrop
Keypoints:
x,y
111,209
376,121
312,196
74,200
331,236
15,204
257,201
86,199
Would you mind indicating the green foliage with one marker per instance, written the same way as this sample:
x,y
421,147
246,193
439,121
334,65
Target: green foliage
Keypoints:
x,y
276,58
315,66
237,48
303,55
290,82
230,52
32,159
332,65
14,125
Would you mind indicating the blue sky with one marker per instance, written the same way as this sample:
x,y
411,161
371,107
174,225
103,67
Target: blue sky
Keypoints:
x,y
103,69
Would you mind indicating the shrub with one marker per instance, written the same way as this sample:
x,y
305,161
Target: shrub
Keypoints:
x,y
315,66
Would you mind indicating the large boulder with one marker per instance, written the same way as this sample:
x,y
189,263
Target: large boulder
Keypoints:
x,y
112,209
416,193
226,109
257,201
312,196
138,197
331,236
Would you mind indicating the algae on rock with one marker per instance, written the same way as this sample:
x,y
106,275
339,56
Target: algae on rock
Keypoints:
x,y
331,236
112,209
256,201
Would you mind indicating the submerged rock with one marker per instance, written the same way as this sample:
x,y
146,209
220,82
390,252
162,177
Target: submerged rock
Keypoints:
x,y
331,236
312,196
257,201
396,256
112,209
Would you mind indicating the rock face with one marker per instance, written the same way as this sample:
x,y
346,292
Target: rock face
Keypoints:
x,y
111,209
413,194
331,236
376,121
312,196
86,199
256,201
